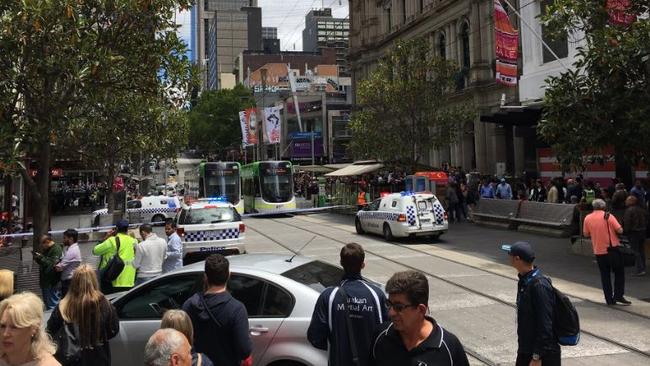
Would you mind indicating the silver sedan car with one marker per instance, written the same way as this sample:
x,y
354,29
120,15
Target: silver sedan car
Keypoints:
x,y
279,295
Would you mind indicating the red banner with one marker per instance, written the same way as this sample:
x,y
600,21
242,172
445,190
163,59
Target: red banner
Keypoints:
x,y
506,47
619,14
506,73
249,125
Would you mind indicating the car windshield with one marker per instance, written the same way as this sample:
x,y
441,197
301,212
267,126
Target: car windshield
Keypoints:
x,y
317,275
209,215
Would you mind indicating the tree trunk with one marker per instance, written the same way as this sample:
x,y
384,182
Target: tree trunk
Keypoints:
x,y
624,171
109,192
40,201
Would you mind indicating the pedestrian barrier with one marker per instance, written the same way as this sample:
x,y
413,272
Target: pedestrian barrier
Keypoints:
x,y
538,217
494,212
547,218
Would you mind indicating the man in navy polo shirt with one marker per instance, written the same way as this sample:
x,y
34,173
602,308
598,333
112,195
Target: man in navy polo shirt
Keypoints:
x,y
412,337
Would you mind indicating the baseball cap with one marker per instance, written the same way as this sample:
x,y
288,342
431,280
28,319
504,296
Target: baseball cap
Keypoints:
x,y
124,223
520,249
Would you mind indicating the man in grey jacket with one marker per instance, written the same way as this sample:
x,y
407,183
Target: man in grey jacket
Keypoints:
x,y
149,255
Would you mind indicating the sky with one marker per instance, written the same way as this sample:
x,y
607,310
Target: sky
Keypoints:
x,y
289,17
286,15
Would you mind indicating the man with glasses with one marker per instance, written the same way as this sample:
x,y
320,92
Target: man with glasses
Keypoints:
x,y
346,316
412,337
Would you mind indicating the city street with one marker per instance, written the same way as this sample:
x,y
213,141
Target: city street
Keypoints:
x,y
472,288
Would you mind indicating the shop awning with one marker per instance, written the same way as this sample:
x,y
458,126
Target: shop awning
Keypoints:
x,y
315,168
356,169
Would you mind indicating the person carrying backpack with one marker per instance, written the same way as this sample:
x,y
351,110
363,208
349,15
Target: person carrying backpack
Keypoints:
x,y
536,304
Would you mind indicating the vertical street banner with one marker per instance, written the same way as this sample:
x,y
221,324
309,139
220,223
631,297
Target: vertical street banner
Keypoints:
x,y
272,126
248,122
507,46
619,12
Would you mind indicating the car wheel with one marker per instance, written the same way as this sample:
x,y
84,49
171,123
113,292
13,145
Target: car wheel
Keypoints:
x,y
388,234
357,225
158,220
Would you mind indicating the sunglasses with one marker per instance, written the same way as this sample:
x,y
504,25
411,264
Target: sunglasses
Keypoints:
x,y
399,307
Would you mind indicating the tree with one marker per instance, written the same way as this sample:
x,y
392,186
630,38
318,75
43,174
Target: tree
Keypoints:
x,y
57,58
405,105
604,101
214,121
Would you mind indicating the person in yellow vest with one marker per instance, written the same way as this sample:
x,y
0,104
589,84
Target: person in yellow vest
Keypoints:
x,y
107,249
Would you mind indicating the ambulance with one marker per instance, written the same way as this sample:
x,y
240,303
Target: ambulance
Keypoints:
x,y
405,214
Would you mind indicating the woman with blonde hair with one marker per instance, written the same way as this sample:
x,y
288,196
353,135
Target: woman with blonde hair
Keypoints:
x,y
23,341
179,320
89,316
6,283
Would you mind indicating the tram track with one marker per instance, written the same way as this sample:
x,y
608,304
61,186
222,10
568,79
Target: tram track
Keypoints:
x,y
621,309
448,281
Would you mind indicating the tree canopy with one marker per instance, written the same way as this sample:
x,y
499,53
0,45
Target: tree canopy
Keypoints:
x,y
603,103
214,120
405,105
73,71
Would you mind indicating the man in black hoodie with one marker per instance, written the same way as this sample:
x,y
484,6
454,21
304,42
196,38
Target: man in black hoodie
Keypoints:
x,y
220,321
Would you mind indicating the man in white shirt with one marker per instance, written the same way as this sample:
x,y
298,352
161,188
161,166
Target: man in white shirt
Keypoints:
x,y
174,248
149,255
71,259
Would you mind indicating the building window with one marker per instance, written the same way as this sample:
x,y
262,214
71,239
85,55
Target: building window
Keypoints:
x,y
464,37
442,46
559,45
403,11
421,6
389,18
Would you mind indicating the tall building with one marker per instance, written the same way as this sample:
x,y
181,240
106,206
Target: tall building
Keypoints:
x,y
225,29
322,30
269,33
461,31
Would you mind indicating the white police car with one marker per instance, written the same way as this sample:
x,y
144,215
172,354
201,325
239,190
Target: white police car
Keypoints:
x,y
149,209
209,226
402,215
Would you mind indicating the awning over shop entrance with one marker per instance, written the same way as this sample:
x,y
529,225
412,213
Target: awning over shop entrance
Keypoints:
x,y
357,168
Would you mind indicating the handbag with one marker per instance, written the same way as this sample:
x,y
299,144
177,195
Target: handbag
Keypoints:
x,y
619,256
68,350
115,265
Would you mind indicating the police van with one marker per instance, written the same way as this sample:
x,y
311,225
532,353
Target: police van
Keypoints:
x,y
149,209
209,226
403,214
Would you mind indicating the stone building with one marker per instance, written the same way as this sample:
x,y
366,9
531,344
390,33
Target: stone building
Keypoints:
x,y
462,31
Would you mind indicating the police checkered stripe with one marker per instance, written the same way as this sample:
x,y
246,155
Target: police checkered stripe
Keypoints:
x,y
209,235
153,210
439,212
410,215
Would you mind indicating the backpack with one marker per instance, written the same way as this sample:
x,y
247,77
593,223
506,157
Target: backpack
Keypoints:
x,y
566,322
68,350
115,265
